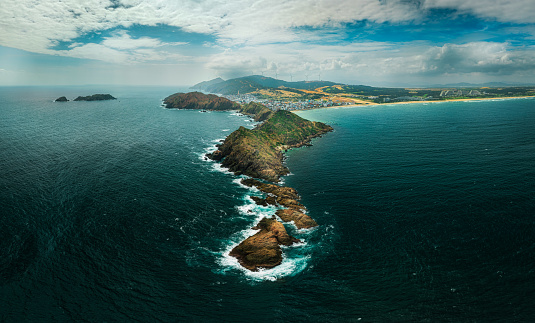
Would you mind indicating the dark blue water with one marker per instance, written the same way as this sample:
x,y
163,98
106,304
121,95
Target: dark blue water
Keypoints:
x,y
110,213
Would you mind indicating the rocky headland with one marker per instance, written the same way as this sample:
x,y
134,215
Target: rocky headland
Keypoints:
x,y
258,153
199,101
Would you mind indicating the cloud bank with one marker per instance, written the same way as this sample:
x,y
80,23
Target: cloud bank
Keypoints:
x,y
345,40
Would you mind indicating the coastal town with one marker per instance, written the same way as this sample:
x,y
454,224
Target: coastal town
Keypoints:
x,y
286,104
304,95
345,99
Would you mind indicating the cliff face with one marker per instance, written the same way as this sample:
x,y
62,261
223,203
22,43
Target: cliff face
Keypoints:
x,y
199,101
258,152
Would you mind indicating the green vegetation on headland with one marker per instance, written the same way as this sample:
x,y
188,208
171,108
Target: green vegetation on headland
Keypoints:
x,y
258,153
95,97
199,101
257,111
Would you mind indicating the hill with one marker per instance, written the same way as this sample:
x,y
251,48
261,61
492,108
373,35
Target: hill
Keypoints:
x,y
254,83
258,152
203,85
199,101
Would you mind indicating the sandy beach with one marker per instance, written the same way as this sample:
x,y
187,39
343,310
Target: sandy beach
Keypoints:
x,y
435,101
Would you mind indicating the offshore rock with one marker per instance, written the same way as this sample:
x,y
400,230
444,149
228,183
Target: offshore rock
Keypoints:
x,y
95,97
61,99
262,250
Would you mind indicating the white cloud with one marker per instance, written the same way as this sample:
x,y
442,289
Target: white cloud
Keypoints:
x,y
379,63
516,11
279,36
123,41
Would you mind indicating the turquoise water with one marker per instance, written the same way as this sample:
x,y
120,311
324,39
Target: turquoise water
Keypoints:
x,y
111,213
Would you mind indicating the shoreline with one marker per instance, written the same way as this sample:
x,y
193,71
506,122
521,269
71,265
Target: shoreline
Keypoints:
x,y
412,102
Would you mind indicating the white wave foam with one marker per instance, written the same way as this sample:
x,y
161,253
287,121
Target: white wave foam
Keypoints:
x,y
219,168
239,183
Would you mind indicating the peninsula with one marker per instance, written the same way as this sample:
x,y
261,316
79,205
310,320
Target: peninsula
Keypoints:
x,y
199,101
258,153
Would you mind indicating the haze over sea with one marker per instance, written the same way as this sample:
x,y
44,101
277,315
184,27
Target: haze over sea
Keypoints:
x,y
110,213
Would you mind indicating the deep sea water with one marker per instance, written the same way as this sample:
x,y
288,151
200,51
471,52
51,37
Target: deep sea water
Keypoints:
x,y
110,213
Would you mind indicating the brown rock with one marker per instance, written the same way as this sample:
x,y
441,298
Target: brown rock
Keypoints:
x,y
301,220
290,203
262,250
279,191
259,201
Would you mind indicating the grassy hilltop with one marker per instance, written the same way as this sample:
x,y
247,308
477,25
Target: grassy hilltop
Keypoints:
x,y
258,152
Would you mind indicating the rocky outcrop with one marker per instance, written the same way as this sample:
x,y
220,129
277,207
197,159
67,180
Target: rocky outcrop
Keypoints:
x,y
199,101
300,220
61,99
262,250
95,97
285,197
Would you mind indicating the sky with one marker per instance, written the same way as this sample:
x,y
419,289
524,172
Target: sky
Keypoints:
x,y
182,42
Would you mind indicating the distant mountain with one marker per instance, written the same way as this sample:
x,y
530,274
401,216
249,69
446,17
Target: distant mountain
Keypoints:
x,y
488,84
206,84
252,83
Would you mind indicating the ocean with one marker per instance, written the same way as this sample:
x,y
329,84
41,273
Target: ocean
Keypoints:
x,y
111,213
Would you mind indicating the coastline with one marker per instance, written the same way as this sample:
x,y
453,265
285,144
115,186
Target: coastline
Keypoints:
x,y
412,102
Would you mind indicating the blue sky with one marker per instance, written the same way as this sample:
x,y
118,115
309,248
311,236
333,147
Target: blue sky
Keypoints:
x,y
169,42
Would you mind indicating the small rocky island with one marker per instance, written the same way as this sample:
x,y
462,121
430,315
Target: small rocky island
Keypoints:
x,y
95,97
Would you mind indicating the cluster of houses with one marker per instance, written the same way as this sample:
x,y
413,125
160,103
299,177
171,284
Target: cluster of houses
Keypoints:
x,y
457,93
285,105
